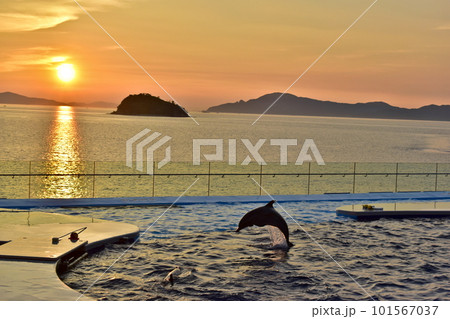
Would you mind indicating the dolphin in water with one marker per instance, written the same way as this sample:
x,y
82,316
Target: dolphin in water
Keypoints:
x,y
265,215
175,274
170,278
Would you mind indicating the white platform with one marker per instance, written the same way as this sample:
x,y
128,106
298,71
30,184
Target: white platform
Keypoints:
x,y
396,210
29,257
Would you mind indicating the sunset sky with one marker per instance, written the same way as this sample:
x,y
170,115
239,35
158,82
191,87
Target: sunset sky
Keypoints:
x,y
207,52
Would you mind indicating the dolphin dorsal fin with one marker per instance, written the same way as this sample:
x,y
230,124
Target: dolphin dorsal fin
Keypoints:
x,y
270,204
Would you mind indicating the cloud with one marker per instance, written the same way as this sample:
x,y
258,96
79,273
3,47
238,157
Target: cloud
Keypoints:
x,y
13,22
45,57
24,15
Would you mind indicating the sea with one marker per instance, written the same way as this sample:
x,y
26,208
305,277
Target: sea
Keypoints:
x,y
30,133
333,258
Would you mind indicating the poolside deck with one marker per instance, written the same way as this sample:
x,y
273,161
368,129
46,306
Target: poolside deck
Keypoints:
x,y
192,200
30,258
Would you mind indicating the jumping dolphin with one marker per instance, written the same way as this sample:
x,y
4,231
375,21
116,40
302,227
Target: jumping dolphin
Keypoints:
x,y
265,215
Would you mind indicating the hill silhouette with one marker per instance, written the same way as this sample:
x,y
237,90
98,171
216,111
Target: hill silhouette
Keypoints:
x,y
14,98
290,104
147,104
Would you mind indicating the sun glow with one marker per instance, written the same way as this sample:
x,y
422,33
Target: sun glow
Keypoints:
x,y
66,72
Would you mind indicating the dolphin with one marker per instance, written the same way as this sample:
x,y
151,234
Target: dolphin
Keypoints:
x,y
170,276
265,215
175,274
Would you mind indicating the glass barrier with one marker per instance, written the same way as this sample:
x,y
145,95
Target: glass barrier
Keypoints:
x,y
83,179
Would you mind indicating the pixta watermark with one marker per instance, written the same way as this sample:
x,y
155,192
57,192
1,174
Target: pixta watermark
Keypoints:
x,y
142,147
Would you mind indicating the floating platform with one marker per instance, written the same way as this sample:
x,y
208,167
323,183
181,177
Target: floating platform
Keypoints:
x,y
35,246
396,210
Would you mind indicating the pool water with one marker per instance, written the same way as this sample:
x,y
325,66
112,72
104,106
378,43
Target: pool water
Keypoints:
x,y
389,259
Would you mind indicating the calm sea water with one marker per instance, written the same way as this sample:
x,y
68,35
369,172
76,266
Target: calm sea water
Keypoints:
x,y
42,133
392,260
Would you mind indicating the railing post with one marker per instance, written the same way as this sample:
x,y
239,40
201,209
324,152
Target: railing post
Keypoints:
x,y
93,182
260,179
153,180
309,175
354,176
436,178
209,177
29,180
396,178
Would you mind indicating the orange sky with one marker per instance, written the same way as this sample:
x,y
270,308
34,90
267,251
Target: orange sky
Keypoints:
x,y
207,52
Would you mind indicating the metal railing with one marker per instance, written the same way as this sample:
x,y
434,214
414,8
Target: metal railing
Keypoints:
x,y
114,179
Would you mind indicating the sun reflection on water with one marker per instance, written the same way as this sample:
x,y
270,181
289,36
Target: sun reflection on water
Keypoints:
x,y
63,158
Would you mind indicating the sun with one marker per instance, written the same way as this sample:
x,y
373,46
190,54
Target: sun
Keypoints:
x,y
66,72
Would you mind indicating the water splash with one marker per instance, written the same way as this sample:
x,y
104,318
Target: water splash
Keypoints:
x,y
277,238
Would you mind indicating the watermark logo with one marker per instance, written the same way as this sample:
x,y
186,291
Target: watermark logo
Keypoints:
x,y
143,141
146,143
253,149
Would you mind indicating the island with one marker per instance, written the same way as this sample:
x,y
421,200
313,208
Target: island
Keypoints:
x,y
148,105
290,104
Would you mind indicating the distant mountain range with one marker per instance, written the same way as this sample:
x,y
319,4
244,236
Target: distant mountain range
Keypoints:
x,y
13,98
293,105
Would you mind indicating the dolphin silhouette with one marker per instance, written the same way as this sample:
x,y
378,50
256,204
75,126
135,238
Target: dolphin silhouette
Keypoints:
x,y
265,215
